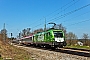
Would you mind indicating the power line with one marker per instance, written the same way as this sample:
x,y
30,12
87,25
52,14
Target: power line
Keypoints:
x,y
66,8
66,14
77,16
61,7
54,11
79,22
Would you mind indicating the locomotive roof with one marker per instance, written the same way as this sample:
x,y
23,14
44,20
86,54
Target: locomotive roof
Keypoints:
x,y
47,31
54,30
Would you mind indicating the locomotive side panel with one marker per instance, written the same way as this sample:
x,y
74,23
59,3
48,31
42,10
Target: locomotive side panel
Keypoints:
x,y
53,38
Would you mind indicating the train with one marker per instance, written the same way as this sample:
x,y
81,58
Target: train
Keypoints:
x,y
51,38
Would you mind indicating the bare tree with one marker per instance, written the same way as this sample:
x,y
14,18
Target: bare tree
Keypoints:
x,y
25,32
71,36
38,30
85,37
28,31
4,34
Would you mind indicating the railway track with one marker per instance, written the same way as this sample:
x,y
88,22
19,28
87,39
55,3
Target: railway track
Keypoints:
x,y
78,52
78,49
61,54
73,51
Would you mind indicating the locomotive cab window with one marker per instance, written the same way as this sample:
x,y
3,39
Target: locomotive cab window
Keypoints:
x,y
58,34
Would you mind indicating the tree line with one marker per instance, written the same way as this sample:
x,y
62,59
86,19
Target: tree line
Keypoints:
x,y
27,32
68,35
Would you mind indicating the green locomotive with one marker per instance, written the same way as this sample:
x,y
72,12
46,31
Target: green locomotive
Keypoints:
x,y
50,38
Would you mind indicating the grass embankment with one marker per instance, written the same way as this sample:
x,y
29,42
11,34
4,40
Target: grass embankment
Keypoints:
x,y
12,52
79,47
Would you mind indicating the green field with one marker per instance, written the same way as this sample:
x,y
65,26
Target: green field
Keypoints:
x,y
79,47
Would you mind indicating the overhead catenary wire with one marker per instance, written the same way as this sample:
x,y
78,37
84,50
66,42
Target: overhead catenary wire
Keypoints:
x,y
77,16
55,11
78,22
66,14
62,10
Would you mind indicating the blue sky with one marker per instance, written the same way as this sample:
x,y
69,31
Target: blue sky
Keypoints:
x,y
20,14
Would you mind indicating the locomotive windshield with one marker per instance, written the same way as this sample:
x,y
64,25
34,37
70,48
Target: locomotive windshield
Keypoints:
x,y
58,34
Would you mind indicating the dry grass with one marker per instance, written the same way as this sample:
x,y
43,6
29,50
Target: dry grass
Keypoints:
x,y
9,51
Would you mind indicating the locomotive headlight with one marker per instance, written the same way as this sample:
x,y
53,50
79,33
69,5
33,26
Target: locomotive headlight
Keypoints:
x,y
61,39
